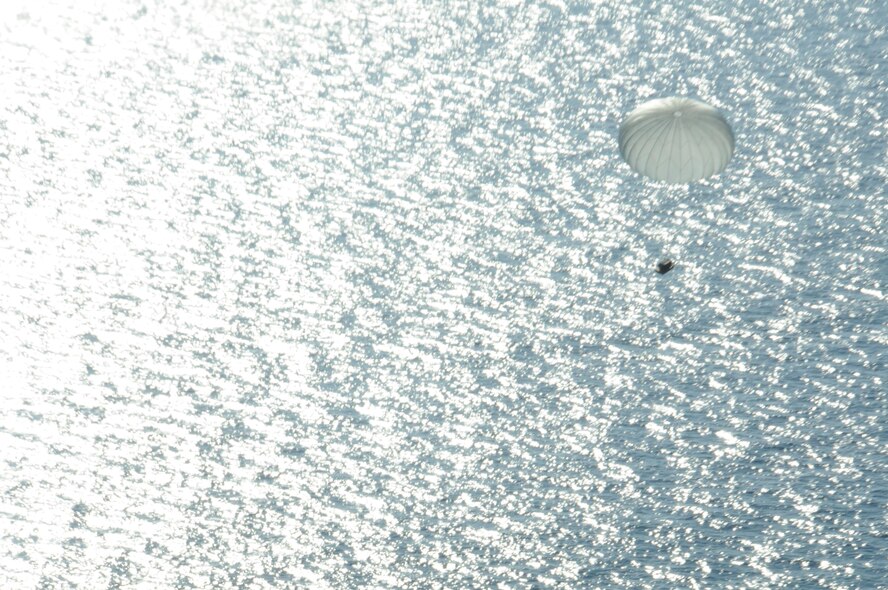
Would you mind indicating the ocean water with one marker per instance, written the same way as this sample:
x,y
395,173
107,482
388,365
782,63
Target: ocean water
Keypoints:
x,y
359,294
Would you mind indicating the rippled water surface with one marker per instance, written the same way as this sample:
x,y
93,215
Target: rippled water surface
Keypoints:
x,y
359,294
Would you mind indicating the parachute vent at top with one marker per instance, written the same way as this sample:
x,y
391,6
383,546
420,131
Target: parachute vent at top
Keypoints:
x,y
677,140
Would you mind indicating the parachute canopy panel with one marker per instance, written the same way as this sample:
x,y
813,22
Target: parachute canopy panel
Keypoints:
x,y
677,140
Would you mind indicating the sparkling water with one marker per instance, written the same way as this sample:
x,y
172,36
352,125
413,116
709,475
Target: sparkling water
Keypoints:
x,y
359,294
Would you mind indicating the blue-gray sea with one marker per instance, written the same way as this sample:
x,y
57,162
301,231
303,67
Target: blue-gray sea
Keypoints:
x,y
359,294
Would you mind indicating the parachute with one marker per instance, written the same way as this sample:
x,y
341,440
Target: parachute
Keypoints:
x,y
677,140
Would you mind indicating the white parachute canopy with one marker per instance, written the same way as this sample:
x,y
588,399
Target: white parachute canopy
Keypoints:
x,y
678,140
